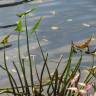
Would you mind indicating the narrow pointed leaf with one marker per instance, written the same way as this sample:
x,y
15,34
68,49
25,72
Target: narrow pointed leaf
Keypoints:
x,y
36,25
5,39
21,14
19,27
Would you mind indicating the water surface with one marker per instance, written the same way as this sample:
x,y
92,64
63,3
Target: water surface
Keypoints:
x,y
64,20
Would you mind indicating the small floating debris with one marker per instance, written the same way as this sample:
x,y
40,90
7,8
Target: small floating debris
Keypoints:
x,y
54,27
86,25
53,12
69,20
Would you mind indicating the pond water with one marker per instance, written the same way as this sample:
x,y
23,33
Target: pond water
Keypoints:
x,y
64,20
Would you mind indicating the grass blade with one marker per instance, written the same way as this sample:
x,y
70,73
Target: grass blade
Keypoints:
x,y
76,68
56,82
66,71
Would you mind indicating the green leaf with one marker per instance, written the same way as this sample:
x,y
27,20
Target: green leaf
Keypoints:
x,y
21,14
19,26
36,25
5,39
76,68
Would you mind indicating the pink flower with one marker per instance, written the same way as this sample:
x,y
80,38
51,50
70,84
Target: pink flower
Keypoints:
x,y
88,86
84,91
76,78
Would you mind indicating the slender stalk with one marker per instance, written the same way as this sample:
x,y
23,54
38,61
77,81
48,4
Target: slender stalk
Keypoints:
x,y
16,87
30,63
19,55
56,82
42,71
39,46
25,78
20,79
23,69
37,73
45,62
88,78
92,60
8,72
65,73
44,59
55,72
59,62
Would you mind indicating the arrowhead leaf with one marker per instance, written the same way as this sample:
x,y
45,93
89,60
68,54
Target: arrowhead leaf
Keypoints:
x,y
21,14
19,26
5,39
36,25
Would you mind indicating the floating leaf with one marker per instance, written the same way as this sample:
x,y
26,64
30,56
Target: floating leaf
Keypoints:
x,y
19,26
21,14
36,25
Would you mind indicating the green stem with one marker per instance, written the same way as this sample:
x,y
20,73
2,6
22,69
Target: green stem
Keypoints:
x,y
19,55
12,79
25,78
92,60
30,63
8,72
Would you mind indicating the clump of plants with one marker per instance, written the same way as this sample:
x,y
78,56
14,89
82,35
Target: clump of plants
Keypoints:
x,y
66,83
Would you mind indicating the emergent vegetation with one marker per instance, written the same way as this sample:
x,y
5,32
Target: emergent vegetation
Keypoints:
x,y
66,83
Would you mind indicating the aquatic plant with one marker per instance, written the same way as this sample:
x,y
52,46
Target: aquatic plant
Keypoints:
x,y
57,84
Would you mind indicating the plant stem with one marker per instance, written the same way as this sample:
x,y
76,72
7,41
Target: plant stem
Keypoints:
x,y
30,63
92,60
19,55
8,72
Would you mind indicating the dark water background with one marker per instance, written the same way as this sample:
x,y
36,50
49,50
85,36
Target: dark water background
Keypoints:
x,y
64,20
